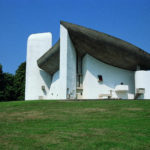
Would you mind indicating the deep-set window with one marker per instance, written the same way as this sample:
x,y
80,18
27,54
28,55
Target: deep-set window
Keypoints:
x,y
100,78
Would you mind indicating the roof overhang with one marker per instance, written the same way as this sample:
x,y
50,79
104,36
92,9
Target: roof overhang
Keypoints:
x,y
50,60
106,48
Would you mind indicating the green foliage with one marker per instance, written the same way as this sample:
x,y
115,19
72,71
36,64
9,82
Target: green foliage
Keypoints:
x,y
12,86
19,82
1,78
1,83
9,92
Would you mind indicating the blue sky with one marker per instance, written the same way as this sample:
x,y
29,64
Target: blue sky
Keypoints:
x,y
125,19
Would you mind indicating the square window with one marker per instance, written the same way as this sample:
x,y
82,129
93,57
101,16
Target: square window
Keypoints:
x,y
100,78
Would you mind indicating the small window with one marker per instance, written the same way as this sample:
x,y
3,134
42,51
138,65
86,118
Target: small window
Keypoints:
x,y
43,87
100,78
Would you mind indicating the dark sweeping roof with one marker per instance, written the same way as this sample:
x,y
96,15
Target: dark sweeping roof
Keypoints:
x,y
103,47
50,60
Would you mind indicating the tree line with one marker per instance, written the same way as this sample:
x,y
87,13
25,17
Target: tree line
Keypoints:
x,y
12,87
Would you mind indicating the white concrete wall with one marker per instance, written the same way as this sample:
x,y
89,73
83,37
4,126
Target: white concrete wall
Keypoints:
x,y
55,87
142,80
112,76
67,65
37,45
71,70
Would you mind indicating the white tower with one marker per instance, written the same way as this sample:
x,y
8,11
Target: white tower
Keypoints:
x,y
142,84
37,80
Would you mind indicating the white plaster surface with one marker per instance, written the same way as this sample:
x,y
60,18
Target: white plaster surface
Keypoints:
x,y
37,45
142,80
112,76
67,66
71,69
121,88
55,87
62,84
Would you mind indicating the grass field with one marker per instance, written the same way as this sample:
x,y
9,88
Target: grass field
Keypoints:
x,y
75,125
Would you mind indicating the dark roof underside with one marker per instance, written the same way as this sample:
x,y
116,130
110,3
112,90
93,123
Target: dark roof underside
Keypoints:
x,y
50,60
103,47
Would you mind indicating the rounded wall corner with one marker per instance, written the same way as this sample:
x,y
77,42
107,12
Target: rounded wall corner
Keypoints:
x,y
39,36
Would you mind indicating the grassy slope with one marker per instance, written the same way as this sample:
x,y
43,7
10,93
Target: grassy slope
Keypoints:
x,y
64,125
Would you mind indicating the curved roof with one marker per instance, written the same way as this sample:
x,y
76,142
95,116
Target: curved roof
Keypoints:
x,y
103,47
50,60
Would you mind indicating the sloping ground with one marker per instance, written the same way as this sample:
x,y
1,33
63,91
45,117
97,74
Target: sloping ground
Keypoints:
x,y
72,125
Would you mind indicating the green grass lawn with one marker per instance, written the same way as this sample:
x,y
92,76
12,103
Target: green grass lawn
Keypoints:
x,y
75,125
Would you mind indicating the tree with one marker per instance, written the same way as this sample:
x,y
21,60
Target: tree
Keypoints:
x,y
19,82
1,84
12,87
6,86
9,92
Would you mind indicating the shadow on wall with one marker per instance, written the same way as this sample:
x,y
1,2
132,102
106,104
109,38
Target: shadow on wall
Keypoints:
x,y
55,76
110,84
122,95
55,86
111,76
103,78
44,91
46,78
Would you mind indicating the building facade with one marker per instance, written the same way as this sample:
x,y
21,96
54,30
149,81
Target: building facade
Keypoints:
x,y
85,64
